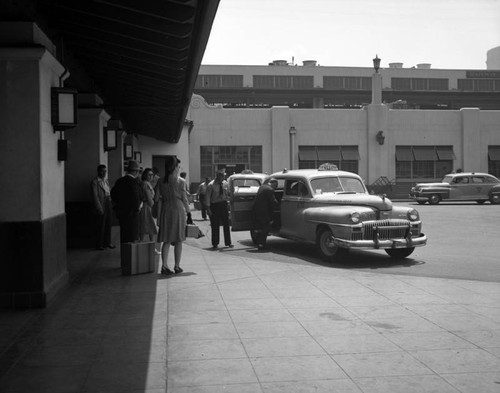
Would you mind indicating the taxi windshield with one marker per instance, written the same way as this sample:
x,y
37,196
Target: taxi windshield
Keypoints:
x,y
246,183
447,179
337,185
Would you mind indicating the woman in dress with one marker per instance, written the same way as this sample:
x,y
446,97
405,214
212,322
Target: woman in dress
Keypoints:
x,y
147,225
172,219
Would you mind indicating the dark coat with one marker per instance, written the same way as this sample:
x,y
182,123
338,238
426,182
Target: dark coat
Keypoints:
x,y
127,196
264,204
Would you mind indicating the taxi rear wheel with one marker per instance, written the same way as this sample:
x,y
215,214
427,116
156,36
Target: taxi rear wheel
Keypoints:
x,y
399,253
327,248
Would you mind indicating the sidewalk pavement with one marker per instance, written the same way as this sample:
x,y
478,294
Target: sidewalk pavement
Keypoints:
x,y
246,325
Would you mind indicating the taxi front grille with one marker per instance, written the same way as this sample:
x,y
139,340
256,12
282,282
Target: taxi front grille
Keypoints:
x,y
387,229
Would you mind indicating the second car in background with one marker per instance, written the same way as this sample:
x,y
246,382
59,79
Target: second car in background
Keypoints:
x,y
464,186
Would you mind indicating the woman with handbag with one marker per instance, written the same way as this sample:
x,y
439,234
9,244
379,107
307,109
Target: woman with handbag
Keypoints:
x,y
172,218
147,225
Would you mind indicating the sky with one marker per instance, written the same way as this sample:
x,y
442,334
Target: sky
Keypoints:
x,y
448,34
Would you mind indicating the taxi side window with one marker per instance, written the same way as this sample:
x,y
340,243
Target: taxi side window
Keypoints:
x,y
478,179
461,180
296,188
292,188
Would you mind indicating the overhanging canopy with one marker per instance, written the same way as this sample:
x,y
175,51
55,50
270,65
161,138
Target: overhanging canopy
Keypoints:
x,y
141,57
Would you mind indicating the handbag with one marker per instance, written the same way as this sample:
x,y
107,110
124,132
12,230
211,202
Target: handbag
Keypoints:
x,y
193,231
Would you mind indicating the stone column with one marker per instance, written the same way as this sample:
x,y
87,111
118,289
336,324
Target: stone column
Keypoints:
x,y
32,214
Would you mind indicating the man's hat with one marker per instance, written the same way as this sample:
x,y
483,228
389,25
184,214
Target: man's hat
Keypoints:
x,y
133,166
221,171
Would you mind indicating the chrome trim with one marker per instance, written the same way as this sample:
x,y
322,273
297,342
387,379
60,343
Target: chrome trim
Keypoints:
x,y
419,241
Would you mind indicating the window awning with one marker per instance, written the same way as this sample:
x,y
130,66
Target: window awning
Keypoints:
x,y
445,153
404,153
494,153
350,153
329,153
308,154
424,153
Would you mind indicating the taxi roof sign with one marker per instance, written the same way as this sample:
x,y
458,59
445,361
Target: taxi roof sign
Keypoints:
x,y
328,167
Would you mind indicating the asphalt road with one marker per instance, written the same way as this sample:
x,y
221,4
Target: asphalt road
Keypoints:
x,y
463,243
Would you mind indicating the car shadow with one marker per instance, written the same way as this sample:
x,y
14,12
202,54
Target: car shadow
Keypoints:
x,y
307,253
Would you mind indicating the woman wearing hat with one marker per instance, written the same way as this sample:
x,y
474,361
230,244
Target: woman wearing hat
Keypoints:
x,y
172,219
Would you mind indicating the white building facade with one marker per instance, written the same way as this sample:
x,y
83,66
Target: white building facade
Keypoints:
x,y
388,147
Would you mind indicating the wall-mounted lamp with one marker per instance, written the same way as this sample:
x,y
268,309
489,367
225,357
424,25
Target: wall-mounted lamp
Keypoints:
x,y
376,63
128,151
109,139
380,137
64,105
138,156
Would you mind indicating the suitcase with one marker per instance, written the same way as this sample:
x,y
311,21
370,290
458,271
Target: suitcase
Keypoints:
x,y
138,258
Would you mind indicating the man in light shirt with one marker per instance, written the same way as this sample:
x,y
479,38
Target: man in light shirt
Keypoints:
x,y
217,199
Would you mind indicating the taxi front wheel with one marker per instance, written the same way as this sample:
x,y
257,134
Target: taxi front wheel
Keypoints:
x,y
327,248
495,199
434,199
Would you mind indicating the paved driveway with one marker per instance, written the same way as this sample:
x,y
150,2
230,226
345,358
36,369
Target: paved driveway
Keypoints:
x,y
463,243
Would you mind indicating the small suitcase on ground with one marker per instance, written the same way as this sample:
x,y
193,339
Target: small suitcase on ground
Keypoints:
x,y
138,258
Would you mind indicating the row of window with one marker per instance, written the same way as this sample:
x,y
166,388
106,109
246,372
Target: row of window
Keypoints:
x,y
412,162
343,83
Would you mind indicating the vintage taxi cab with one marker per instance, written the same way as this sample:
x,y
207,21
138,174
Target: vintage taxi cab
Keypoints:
x,y
463,186
333,210
246,180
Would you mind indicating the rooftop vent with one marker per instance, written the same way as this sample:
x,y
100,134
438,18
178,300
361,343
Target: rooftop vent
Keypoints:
x,y
424,66
395,65
279,62
309,63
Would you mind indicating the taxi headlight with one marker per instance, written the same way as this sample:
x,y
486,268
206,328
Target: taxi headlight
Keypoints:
x,y
412,215
355,218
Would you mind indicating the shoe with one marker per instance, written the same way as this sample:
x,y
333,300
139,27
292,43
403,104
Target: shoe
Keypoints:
x,y
166,271
215,247
229,245
260,247
111,246
178,270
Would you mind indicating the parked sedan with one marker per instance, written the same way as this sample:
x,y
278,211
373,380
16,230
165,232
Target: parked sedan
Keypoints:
x,y
333,210
464,186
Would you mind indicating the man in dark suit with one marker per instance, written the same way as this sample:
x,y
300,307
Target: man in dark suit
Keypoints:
x,y
263,206
127,197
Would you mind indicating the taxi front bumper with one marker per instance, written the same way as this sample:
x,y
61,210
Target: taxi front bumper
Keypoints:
x,y
417,241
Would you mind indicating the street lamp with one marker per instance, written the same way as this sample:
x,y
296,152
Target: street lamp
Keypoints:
x,y
376,63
